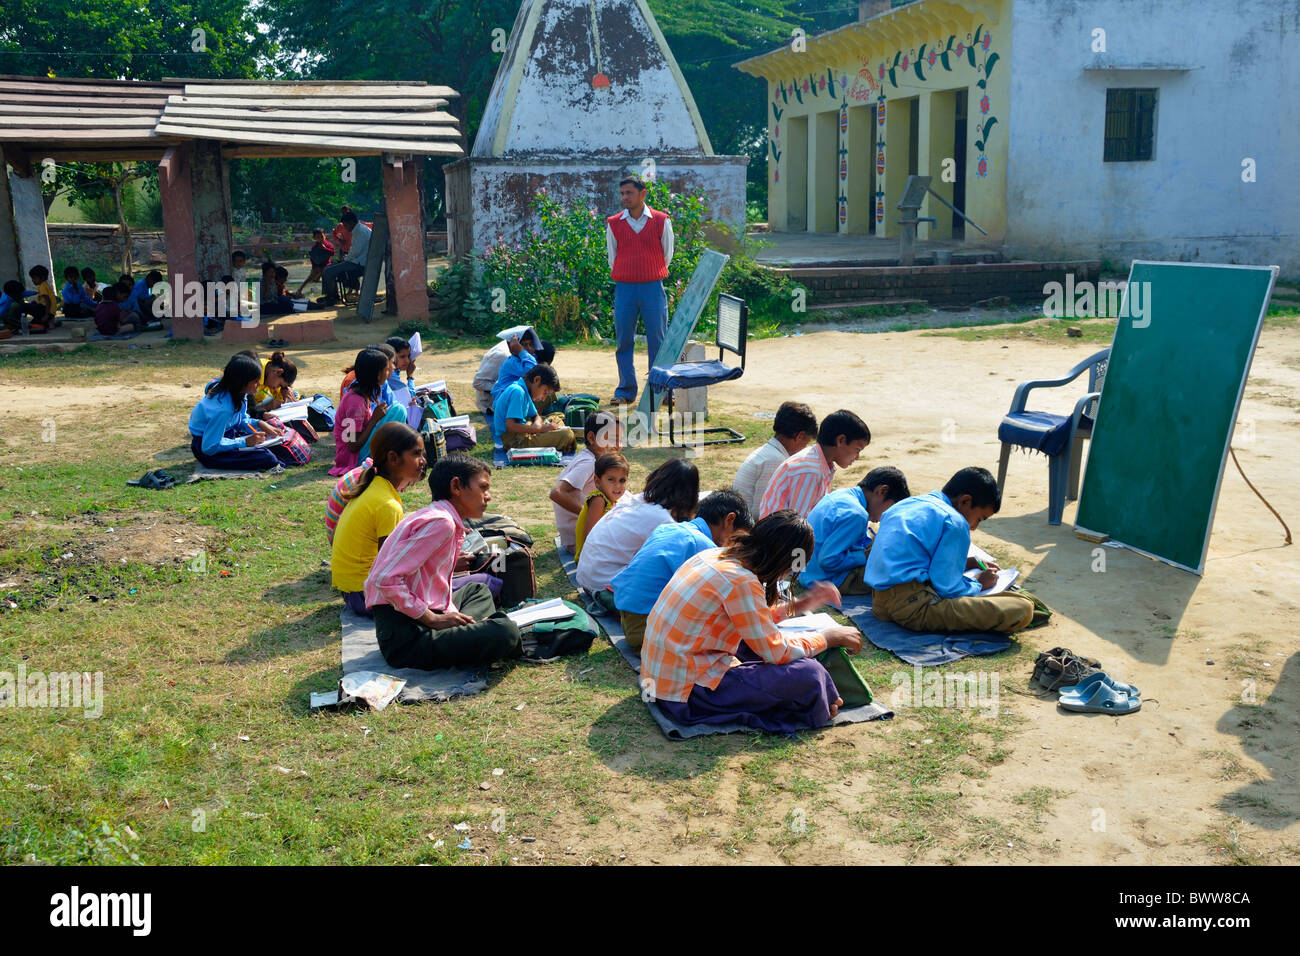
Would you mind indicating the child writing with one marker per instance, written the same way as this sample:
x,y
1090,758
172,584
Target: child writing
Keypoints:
x,y
91,285
319,254
713,653
373,509
515,422
917,562
16,314
841,524
402,364
419,620
804,478
611,472
140,299
720,517
601,433
276,388
222,435
485,379
361,411
110,317
793,428
76,304
45,296
523,355
350,374
671,493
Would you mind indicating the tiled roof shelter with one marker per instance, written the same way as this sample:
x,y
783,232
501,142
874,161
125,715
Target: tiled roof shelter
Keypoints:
x,y
192,129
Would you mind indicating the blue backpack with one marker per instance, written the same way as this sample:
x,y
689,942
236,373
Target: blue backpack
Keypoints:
x,y
320,413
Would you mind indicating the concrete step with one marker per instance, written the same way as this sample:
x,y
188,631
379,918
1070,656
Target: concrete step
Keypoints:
x,y
859,303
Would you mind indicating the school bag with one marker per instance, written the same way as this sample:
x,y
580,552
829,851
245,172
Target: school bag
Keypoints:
x,y
548,640
439,407
853,690
435,440
576,410
294,450
320,413
512,558
502,525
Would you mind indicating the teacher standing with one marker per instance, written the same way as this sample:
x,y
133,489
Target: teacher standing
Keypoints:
x,y
640,245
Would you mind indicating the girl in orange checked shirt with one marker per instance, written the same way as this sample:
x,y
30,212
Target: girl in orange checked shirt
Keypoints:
x,y
713,653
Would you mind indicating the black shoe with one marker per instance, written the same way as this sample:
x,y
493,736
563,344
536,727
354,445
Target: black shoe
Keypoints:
x,y
327,302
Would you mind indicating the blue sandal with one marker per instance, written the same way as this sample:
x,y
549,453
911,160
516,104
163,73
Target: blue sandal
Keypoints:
x,y
1084,687
1101,698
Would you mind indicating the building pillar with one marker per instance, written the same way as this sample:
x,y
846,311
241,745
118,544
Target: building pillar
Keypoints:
x,y
406,235
175,188
898,117
941,153
26,214
210,181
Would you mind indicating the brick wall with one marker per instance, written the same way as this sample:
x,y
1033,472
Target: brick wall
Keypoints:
x,y
957,285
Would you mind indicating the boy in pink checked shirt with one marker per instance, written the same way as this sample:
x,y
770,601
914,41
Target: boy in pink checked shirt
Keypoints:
x,y
418,620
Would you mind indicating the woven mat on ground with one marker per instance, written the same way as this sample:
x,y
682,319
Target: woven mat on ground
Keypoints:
x,y
361,653
671,728
202,472
927,650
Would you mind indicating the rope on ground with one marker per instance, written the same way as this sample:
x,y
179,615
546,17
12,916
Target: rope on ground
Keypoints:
x,y
1233,453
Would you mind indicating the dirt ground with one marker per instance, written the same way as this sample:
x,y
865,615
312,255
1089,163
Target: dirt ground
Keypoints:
x,y
1145,788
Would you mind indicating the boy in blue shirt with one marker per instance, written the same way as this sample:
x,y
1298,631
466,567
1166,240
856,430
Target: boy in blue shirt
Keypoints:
x,y
918,558
515,422
638,586
76,304
525,353
841,524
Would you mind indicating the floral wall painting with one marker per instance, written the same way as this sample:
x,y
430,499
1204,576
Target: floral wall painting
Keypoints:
x,y
924,63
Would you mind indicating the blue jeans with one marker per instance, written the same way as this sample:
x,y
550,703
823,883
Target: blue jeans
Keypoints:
x,y
649,301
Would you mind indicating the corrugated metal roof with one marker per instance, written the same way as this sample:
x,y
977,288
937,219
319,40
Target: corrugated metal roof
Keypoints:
x,y
54,116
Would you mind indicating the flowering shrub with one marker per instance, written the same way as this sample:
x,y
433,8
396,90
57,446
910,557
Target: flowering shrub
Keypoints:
x,y
557,278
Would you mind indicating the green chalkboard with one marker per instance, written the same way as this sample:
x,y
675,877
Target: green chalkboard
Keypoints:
x,y
1178,366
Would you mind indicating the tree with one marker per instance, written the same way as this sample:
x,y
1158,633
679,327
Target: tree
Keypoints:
x,y
140,40
91,181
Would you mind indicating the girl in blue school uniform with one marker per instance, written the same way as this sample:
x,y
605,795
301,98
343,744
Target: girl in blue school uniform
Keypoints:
x,y
222,433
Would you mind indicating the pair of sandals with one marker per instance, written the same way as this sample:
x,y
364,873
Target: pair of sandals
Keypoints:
x,y
156,480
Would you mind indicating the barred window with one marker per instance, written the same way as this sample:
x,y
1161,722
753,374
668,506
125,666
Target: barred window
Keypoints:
x,y
1130,125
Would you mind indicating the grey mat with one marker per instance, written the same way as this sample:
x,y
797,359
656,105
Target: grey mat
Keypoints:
x,y
671,728
361,653
203,472
609,623
926,650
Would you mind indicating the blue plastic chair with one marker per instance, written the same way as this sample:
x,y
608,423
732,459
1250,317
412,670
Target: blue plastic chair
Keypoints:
x,y
1059,437
733,333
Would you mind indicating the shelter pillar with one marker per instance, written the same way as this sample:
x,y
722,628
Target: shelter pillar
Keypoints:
x,y
406,234
176,190
10,263
26,215
210,179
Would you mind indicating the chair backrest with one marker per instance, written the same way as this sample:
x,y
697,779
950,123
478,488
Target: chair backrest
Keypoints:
x,y
733,326
1097,378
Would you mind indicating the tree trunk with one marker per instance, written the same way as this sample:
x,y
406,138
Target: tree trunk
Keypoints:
x,y
126,230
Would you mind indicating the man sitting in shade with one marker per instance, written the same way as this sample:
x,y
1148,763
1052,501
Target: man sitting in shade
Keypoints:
x,y
353,266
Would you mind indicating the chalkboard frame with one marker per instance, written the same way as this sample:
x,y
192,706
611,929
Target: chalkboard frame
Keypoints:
x,y
1118,352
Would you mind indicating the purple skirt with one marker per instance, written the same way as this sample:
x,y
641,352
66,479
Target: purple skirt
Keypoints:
x,y
778,698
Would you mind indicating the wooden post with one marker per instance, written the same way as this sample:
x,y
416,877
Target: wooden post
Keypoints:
x,y
176,191
28,212
406,233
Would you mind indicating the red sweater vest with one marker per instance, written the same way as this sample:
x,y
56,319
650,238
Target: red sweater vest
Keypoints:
x,y
639,256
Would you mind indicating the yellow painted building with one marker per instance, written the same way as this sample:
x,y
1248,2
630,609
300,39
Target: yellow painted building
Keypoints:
x,y
919,89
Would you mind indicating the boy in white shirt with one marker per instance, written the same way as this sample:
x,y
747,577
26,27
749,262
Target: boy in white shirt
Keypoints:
x,y
602,434
793,428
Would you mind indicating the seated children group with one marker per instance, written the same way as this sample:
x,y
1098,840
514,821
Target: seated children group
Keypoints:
x,y
693,580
